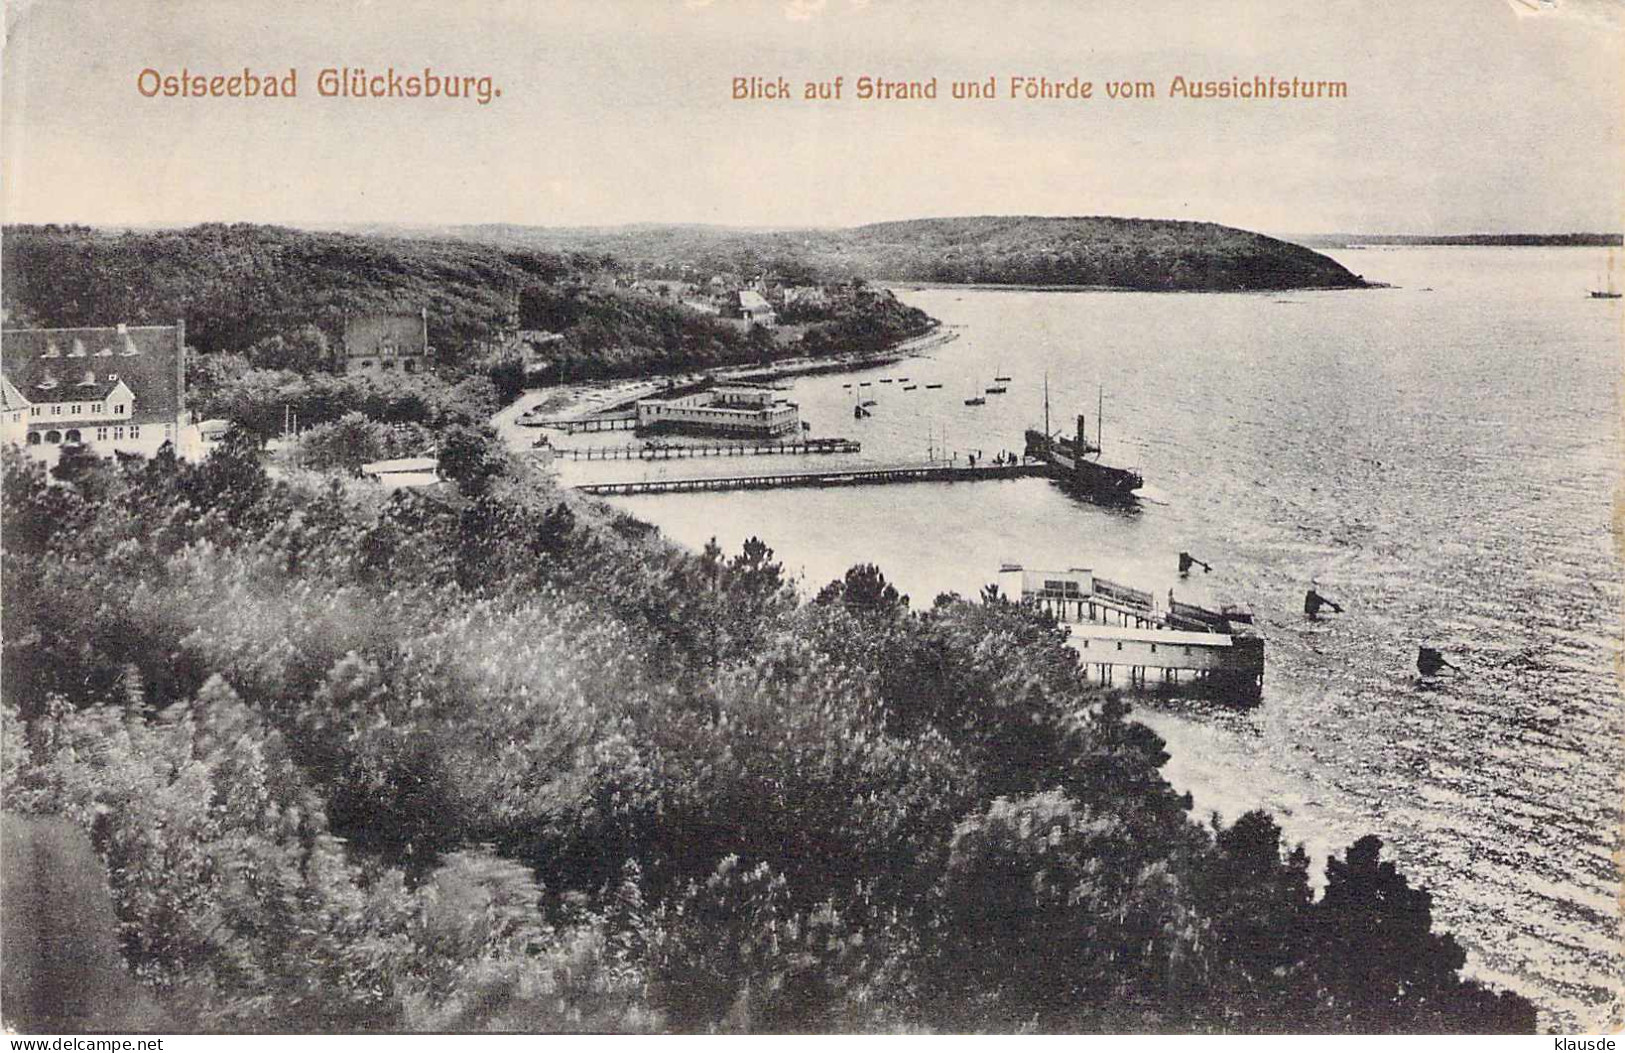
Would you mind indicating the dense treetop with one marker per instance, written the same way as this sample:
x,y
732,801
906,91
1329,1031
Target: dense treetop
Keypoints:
x,y
491,756
1102,251
280,297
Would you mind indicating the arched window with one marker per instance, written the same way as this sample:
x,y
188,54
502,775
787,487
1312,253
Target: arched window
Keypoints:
x,y
53,437
73,435
33,438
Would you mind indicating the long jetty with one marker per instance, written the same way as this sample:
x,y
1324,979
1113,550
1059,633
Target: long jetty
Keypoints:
x,y
669,453
918,473
583,424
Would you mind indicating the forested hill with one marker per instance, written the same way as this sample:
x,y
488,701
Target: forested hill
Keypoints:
x,y
239,283
1092,250
245,286
1150,254
1579,239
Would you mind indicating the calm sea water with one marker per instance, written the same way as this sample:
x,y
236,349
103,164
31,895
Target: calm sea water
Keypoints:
x,y
1440,457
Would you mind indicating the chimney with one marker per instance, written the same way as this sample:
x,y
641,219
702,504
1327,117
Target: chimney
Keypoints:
x,y
123,330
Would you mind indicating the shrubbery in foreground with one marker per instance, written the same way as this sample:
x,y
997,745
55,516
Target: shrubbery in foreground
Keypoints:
x,y
491,758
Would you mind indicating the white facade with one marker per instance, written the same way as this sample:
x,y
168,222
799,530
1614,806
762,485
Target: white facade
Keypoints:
x,y
1123,638
735,412
115,389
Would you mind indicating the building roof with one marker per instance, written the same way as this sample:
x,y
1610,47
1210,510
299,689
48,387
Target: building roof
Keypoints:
x,y
10,397
86,365
400,464
369,334
752,301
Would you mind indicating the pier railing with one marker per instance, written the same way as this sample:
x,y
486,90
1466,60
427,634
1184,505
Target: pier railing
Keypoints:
x,y
587,424
674,452
842,477
1188,615
1123,593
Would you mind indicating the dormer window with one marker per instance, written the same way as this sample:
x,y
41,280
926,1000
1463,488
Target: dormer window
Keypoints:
x,y
89,381
78,350
106,352
129,348
48,383
52,351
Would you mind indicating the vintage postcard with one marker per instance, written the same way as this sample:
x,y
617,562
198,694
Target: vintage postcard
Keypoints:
x,y
811,516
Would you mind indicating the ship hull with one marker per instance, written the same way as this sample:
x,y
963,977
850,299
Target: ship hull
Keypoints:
x,y
1080,474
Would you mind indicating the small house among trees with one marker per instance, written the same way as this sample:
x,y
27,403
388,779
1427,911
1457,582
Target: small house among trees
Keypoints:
x,y
382,343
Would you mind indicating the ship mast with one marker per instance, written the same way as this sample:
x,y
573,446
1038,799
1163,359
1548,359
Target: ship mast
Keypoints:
x,y
1100,409
1046,404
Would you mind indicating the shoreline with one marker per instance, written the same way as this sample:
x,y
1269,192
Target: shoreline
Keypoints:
x,y
1037,287
606,398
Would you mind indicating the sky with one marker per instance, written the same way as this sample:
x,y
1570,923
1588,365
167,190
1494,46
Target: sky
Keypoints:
x,y
1460,115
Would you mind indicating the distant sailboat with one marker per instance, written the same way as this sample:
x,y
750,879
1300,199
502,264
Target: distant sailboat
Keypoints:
x,y
932,387
1608,293
975,399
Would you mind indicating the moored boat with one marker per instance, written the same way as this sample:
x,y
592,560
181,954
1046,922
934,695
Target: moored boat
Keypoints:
x,y
1077,462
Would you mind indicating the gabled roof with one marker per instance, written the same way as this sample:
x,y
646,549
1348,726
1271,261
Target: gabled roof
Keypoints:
x,y
752,301
367,335
10,397
71,385
86,365
400,464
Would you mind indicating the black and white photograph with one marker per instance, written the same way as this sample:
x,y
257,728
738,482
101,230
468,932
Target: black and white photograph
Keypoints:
x,y
811,517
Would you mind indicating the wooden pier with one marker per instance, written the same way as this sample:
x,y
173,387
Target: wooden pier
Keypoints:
x,y
675,452
586,424
1116,629
919,473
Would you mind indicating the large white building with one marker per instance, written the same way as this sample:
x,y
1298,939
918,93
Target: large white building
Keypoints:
x,y
1124,636
731,412
114,389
